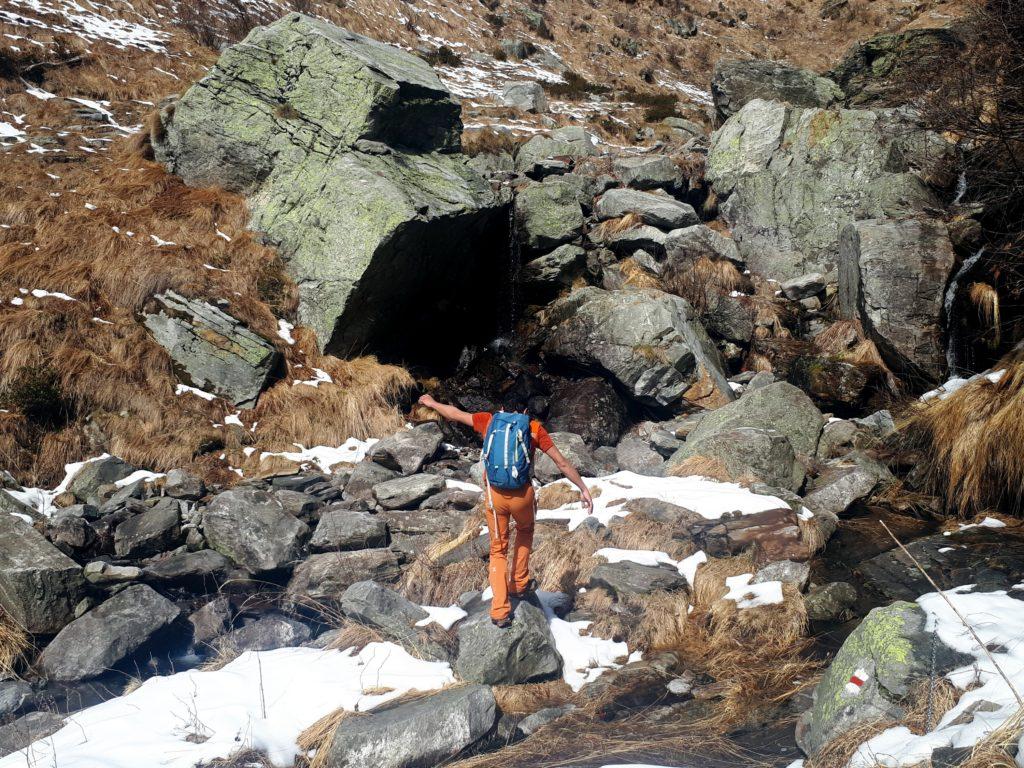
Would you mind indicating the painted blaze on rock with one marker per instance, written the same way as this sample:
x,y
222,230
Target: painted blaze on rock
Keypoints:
x,y
348,151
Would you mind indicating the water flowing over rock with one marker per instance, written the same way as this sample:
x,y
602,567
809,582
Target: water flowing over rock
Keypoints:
x,y
346,149
650,342
796,176
892,276
39,585
734,83
215,352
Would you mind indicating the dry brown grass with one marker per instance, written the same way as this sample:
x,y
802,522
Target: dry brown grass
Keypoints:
x,y
562,562
636,276
610,227
845,340
985,299
245,757
352,634
527,699
702,466
972,442
838,752
556,495
316,739
428,584
643,622
696,279
15,643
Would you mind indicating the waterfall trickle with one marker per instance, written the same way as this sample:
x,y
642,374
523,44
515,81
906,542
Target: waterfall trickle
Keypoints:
x,y
954,340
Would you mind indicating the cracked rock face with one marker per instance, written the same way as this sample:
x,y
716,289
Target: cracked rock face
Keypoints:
x,y
348,151
794,177
213,350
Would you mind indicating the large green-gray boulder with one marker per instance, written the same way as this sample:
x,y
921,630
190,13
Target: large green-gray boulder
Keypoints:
x,y
892,278
875,71
779,406
734,83
765,454
347,149
875,668
39,584
211,349
794,177
572,142
548,214
650,342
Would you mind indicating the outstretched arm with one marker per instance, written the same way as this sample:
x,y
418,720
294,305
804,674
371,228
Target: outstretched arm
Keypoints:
x,y
449,412
570,472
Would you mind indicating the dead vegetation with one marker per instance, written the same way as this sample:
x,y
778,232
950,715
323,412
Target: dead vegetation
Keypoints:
x,y
14,645
970,441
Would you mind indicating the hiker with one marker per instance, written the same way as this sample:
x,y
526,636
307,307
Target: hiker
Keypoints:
x,y
511,439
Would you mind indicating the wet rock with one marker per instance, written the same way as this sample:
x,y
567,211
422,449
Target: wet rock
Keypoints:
x,y
892,278
352,172
786,571
575,450
833,167
251,527
519,654
211,621
661,211
779,406
649,172
590,408
407,492
634,454
684,246
549,214
408,450
327,576
528,96
39,584
628,578
542,278
384,609
893,649
179,484
828,601
195,569
734,83
650,342
845,481
107,635
265,634
426,731
571,142
99,572
98,472
776,533
15,695
764,454
986,557
28,729
341,529
152,532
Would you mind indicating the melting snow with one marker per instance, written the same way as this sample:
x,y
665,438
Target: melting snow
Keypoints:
x,y
446,617
284,330
999,621
988,522
260,700
322,377
747,595
183,389
352,451
82,22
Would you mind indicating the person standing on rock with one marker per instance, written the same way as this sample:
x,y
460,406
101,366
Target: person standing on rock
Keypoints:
x,y
511,440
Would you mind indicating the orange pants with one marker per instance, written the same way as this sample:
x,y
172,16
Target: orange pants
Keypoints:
x,y
519,505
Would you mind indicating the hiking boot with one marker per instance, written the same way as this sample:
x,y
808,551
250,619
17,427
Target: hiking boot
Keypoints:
x,y
502,623
528,591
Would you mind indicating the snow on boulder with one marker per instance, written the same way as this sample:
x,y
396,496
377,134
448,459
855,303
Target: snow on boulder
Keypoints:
x,y
347,149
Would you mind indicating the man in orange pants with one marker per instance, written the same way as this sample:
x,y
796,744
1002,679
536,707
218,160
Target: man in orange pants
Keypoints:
x,y
520,505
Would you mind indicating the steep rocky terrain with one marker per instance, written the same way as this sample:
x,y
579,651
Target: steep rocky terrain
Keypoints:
x,y
743,260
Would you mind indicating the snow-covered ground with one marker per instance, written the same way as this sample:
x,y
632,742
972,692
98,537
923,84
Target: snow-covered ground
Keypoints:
x,y
260,700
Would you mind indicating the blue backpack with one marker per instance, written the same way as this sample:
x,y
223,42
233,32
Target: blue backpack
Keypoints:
x,y
506,455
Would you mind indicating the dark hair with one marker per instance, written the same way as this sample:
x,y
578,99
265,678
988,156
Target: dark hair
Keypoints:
x,y
514,401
